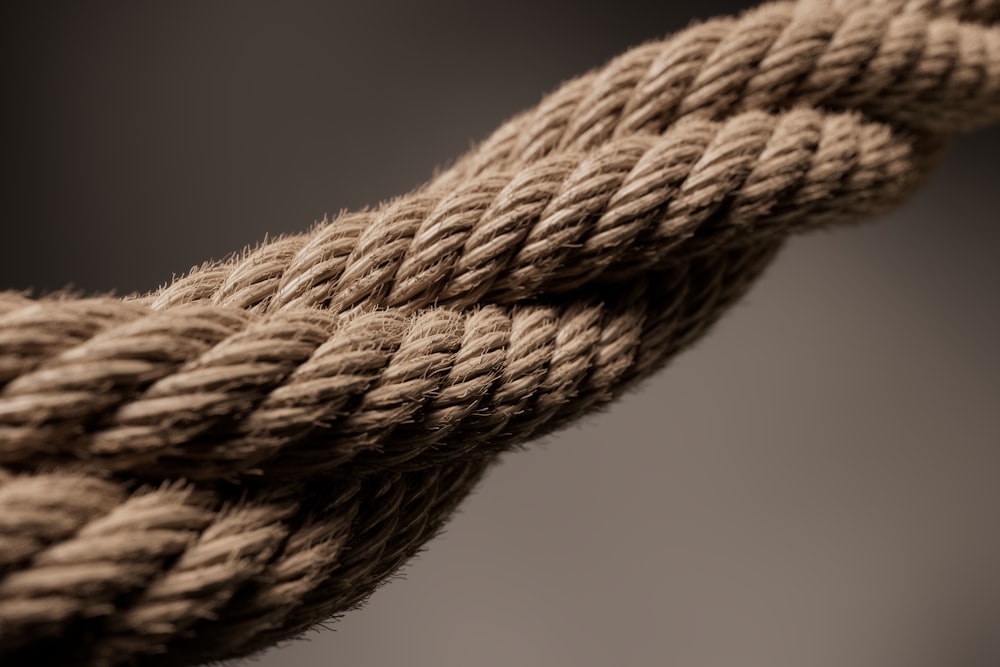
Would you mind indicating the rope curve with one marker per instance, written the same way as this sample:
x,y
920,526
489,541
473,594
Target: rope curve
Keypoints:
x,y
200,472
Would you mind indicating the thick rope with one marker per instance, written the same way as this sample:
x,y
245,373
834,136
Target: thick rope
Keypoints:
x,y
916,70
188,571
305,391
117,544
509,235
203,471
232,385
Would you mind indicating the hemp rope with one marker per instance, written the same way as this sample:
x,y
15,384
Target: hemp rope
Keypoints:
x,y
198,473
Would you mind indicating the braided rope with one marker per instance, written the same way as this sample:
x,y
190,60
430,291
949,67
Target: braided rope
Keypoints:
x,y
203,471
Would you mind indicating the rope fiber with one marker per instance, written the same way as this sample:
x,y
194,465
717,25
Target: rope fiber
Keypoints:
x,y
200,472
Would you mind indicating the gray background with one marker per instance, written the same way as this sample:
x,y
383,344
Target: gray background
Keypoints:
x,y
814,484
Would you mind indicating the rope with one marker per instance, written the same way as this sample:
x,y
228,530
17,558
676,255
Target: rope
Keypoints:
x,y
200,472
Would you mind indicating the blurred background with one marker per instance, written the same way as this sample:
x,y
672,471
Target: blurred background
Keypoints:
x,y
815,483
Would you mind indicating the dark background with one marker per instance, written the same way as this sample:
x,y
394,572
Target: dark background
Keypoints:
x,y
814,484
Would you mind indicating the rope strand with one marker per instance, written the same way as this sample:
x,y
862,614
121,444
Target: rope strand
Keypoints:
x,y
914,70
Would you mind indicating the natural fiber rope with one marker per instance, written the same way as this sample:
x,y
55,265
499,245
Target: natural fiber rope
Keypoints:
x,y
236,388
306,391
915,70
66,575
201,472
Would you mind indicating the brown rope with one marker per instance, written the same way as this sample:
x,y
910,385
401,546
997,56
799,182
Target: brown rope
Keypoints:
x,y
235,387
208,469
914,70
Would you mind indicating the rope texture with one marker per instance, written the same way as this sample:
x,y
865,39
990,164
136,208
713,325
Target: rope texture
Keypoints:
x,y
203,471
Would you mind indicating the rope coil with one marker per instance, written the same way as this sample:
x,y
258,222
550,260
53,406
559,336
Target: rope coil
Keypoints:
x,y
197,473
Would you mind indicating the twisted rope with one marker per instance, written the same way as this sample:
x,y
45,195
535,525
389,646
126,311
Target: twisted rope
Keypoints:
x,y
917,70
305,391
203,471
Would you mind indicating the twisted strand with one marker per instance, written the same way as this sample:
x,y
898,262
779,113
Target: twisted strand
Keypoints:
x,y
80,576
267,567
772,57
202,580
37,511
32,331
914,69
305,392
146,572
628,206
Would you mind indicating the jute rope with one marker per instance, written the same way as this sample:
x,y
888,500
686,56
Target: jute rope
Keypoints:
x,y
200,472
